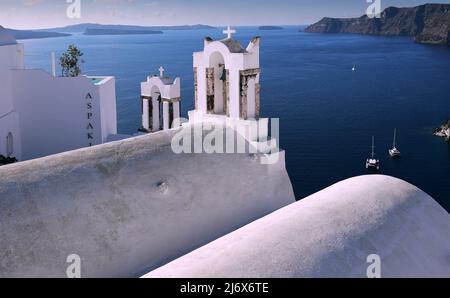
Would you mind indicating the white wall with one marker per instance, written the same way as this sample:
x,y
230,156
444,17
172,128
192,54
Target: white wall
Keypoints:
x,y
108,108
11,57
10,124
331,234
53,112
106,204
167,91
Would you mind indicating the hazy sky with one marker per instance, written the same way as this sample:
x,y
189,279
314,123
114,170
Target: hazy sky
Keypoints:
x,y
29,14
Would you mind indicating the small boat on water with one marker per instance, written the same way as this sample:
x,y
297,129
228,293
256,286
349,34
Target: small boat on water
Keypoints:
x,y
354,68
372,162
394,152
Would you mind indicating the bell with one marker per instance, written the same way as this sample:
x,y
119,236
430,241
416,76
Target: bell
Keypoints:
x,y
224,75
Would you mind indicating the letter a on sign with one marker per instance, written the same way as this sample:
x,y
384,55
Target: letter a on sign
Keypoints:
x,y
89,96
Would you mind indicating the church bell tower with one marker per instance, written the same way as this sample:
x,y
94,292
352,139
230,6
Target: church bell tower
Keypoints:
x,y
226,78
160,102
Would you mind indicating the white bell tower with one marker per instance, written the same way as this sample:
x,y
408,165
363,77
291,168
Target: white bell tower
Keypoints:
x,y
160,101
227,87
227,78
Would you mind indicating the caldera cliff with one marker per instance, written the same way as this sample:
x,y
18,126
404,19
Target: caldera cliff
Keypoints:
x,y
428,23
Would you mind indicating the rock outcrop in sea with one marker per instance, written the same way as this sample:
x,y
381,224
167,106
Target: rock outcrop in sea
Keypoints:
x,y
443,131
428,24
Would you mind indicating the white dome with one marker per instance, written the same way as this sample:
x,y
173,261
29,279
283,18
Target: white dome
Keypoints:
x,y
331,234
6,38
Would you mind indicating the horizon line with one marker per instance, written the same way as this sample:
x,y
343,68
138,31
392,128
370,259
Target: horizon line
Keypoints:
x,y
119,24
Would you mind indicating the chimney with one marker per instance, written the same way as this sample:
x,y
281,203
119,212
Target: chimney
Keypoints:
x,y
53,64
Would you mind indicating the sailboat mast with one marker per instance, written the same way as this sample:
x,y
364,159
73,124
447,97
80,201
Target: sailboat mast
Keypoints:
x,y
395,137
373,146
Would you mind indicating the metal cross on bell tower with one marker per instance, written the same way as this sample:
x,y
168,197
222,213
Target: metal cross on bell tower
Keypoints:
x,y
229,32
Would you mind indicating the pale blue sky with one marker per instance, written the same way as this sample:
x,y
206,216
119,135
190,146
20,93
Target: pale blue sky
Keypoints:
x,y
28,14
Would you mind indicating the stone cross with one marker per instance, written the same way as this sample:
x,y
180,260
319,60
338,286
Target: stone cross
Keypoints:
x,y
229,32
161,72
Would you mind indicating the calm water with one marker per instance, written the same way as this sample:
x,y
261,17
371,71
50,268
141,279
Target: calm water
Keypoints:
x,y
328,113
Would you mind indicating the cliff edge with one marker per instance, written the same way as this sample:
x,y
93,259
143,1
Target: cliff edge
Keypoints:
x,y
428,24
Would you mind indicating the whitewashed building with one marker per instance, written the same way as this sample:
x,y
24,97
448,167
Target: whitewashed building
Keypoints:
x,y
227,87
41,114
160,102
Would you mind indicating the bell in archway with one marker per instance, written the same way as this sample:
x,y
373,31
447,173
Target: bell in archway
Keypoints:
x,y
223,78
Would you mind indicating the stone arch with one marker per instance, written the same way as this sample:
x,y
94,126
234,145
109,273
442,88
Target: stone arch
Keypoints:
x,y
220,48
161,101
217,76
157,110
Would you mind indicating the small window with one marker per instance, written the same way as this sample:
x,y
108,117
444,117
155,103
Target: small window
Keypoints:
x,y
9,145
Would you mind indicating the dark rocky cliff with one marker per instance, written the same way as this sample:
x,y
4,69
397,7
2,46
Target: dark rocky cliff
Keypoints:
x,y
428,23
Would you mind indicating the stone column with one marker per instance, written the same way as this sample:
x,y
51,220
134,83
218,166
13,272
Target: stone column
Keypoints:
x,y
196,88
166,115
155,112
257,100
145,114
243,96
171,115
226,94
210,89
177,109
246,75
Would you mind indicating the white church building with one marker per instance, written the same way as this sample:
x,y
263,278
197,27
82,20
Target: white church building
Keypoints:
x,y
161,102
42,114
226,91
227,88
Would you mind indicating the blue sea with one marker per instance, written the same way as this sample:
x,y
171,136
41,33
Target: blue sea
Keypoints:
x,y
328,113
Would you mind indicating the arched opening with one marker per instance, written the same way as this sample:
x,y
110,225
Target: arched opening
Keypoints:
x,y
157,109
217,90
9,145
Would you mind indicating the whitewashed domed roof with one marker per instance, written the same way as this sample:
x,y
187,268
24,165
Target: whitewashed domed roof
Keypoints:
x,y
331,234
6,38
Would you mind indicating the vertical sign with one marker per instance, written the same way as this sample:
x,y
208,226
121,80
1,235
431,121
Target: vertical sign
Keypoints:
x,y
90,115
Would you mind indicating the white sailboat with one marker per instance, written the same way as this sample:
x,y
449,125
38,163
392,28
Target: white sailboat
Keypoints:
x,y
373,162
354,67
394,152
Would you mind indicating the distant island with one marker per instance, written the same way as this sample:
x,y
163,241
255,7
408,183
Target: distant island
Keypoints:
x,y
81,28
119,32
99,29
427,24
443,131
31,34
270,28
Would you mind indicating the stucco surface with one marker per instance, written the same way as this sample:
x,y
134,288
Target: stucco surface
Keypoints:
x,y
331,234
128,207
